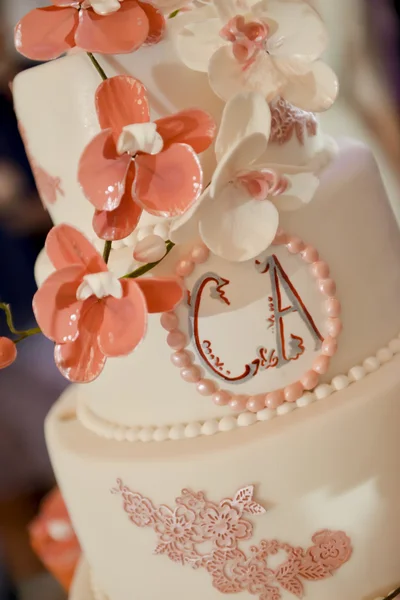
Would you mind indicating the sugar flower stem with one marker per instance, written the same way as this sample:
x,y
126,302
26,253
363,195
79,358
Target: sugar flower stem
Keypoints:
x,y
107,251
146,268
6,308
97,66
393,595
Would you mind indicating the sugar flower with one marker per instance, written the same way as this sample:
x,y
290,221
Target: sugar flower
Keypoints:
x,y
8,352
237,216
271,47
135,164
104,26
89,313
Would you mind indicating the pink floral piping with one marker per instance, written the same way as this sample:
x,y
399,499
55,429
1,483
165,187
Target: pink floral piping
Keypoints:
x,y
48,186
206,535
287,120
191,373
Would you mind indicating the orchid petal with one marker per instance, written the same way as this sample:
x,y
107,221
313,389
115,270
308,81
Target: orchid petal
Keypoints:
x,y
297,30
156,22
56,307
66,246
119,33
185,229
239,228
82,361
121,101
227,9
125,321
102,173
199,39
162,294
46,33
194,127
240,158
63,3
8,352
313,87
119,223
228,77
245,114
300,192
168,183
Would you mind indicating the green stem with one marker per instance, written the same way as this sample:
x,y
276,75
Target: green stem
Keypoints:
x,y
107,251
174,14
146,268
97,66
6,308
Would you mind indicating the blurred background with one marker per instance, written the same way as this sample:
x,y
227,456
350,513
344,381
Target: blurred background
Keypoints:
x,y
365,52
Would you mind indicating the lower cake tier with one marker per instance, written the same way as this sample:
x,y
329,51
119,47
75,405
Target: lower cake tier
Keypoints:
x,y
306,505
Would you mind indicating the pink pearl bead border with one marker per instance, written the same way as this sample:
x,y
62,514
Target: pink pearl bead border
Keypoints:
x,y
192,373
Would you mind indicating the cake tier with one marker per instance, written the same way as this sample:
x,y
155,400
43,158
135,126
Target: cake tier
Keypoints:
x,y
327,478
60,96
351,226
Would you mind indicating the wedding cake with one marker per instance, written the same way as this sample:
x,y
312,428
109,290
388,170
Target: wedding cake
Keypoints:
x,y
222,288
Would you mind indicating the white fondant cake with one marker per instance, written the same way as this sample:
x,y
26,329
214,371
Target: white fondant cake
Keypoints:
x,y
306,505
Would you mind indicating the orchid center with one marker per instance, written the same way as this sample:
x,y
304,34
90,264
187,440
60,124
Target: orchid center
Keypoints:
x,y
140,137
101,285
101,7
248,38
264,184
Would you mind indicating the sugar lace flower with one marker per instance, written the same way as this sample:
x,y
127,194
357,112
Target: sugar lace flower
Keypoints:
x,y
89,313
133,164
104,26
237,216
271,47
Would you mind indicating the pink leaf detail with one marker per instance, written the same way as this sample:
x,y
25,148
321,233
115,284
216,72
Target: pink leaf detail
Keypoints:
x,y
313,572
244,495
253,508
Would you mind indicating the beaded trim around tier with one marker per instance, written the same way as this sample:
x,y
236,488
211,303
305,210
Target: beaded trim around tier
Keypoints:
x,y
179,431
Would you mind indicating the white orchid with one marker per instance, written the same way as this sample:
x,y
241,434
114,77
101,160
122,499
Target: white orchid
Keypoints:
x,y
237,216
269,46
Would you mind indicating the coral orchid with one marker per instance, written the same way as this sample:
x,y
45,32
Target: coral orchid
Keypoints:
x,y
134,164
89,313
104,26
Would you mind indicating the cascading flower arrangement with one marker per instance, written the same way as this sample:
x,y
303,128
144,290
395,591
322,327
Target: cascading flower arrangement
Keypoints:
x,y
253,52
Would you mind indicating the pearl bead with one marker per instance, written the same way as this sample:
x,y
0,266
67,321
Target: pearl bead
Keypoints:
x,y
333,307
329,346
256,403
181,359
310,254
151,249
334,327
176,340
169,321
184,268
280,238
274,399
200,254
293,392
295,245
238,402
327,286
321,365
320,269
191,374
221,398
310,380
206,387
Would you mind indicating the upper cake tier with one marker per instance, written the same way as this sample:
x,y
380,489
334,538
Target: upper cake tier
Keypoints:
x,y
55,105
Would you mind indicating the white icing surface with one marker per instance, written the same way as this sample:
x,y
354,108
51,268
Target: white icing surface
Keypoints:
x,y
340,464
212,426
